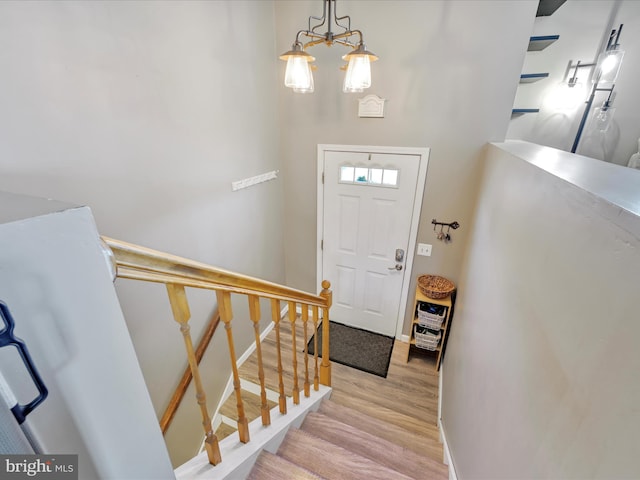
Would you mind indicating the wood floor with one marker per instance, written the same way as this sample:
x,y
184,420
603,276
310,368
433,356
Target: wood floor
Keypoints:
x,y
408,397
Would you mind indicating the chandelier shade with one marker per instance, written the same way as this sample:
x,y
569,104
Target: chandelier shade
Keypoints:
x,y
298,73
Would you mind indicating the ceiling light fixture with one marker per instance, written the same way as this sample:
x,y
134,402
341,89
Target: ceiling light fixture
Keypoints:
x,y
298,74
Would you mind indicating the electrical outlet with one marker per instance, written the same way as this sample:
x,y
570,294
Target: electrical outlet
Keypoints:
x,y
424,249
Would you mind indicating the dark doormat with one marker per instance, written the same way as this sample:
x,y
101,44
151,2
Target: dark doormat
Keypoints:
x,y
361,349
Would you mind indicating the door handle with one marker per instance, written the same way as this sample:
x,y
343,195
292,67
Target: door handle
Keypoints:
x,y
397,267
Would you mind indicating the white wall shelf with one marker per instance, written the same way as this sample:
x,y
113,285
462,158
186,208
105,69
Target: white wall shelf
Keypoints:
x,y
522,111
541,42
532,77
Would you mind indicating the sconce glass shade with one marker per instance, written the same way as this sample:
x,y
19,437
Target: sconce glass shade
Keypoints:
x,y
298,73
602,117
608,66
358,76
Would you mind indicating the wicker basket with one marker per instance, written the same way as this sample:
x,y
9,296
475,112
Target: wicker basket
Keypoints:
x,y
425,338
435,287
431,316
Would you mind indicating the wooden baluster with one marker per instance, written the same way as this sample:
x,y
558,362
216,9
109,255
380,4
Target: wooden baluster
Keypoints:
x,y
305,321
325,368
316,378
275,316
226,315
254,312
180,309
294,353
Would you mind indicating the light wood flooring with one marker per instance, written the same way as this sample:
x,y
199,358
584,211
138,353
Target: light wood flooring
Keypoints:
x,y
408,397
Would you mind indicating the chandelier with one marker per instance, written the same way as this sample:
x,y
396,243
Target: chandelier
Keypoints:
x,y
298,74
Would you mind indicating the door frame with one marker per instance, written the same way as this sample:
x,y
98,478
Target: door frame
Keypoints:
x,y
423,154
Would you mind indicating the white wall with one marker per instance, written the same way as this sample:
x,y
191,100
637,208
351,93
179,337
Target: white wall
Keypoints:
x,y
541,371
584,27
55,281
147,111
449,71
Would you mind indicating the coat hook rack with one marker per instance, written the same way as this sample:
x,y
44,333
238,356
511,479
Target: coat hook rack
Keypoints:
x,y
442,235
453,225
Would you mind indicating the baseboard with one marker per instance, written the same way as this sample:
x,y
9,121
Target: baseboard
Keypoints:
x,y
440,377
405,338
447,456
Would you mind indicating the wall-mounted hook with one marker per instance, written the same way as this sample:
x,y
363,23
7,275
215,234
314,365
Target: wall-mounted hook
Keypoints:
x,y
441,235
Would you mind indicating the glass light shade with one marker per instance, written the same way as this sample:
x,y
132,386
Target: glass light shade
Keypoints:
x,y
308,89
602,117
358,76
608,66
298,74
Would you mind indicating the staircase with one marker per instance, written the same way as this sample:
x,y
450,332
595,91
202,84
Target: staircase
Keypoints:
x,y
309,435
338,442
371,428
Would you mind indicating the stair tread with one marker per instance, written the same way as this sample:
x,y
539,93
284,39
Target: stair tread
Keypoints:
x,y
273,467
252,406
312,453
385,452
424,443
376,410
224,431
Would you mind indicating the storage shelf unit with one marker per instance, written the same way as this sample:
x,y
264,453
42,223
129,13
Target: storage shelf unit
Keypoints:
x,y
443,330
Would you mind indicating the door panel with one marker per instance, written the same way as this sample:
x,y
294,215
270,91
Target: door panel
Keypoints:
x,y
348,217
367,210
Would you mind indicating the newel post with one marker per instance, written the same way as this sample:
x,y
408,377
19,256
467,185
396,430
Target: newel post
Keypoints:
x,y
325,366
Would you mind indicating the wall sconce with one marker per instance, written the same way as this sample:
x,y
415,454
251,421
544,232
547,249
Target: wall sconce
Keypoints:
x,y
298,74
570,93
605,73
602,116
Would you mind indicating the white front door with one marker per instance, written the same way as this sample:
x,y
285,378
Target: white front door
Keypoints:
x,y
369,201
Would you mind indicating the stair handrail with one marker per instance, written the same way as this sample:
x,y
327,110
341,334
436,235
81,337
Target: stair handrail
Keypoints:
x,y
141,263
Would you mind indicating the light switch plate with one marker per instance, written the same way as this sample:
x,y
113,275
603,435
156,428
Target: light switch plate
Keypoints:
x,y
424,249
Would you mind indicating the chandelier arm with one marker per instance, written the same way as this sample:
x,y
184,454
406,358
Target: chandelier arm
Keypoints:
x,y
318,39
337,19
346,43
309,34
322,19
313,43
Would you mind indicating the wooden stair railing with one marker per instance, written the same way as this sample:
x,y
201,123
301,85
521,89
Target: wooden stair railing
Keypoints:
x,y
140,263
183,384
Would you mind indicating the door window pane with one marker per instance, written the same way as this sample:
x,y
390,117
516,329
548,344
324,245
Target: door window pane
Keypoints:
x,y
362,175
382,177
375,176
346,174
390,177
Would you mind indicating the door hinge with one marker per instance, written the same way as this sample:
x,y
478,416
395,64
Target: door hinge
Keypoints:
x,y
323,178
321,244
